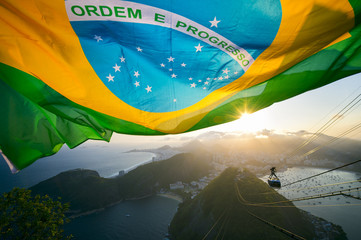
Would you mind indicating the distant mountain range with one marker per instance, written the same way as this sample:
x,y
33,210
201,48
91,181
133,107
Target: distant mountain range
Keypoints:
x,y
191,146
86,191
267,148
271,143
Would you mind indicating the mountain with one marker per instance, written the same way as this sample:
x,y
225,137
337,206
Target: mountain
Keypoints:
x,y
259,151
193,146
86,191
165,148
226,209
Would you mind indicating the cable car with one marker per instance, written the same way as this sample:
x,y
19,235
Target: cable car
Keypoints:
x,y
273,180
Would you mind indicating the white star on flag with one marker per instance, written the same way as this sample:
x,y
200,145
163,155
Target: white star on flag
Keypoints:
x,y
235,73
162,65
226,77
204,88
136,74
149,89
139,49
220,78
225,71
193,85
110,78
170,69
136,84
206,83
174,76
174,100
199,48
214,22
190,79
170,59
208,79
98,38
183,64
199,80
116,68
122,59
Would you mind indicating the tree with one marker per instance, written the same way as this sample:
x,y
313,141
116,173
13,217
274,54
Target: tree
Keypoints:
x,y
23,216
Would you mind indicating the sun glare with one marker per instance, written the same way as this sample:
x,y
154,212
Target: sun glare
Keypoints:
x,y
250,123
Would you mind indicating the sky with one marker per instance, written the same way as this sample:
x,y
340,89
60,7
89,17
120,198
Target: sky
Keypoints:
x,y
308,111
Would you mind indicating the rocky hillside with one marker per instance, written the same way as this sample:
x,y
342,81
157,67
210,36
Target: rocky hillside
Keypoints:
x,y
227,209
85,190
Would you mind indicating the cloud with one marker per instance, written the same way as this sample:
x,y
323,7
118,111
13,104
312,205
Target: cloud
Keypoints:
x,y
212,135
301,133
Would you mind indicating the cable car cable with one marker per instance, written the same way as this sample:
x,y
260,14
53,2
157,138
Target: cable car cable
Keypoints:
x,y
276,227
329,194
316,175
331,111
290,205
328,124
332,140
299,189
351,196
210,230
303,206
245,202
284,231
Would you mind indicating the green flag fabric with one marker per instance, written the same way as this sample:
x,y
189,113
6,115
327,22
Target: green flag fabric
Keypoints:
x,y
82,69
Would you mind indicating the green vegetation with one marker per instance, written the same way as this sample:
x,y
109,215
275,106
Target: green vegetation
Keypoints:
x,y
219,211
25,217
86,190
222,210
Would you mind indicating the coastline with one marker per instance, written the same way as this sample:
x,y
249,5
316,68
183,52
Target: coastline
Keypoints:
x,y
155,157
72,216
157,154
171,196
166,195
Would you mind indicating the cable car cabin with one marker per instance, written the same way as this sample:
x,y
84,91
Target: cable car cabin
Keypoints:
x,y
274,182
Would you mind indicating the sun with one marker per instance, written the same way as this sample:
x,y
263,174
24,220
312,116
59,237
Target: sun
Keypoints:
x,y
248,123
251,123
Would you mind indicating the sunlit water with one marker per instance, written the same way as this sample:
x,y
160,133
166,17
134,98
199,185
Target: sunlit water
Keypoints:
x,y
107,160
149,218
340,210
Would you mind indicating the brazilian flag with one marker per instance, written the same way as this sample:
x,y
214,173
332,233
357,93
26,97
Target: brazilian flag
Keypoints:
x,y
82,69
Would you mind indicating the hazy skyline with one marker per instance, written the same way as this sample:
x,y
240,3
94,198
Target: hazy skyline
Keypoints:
x,y
308,111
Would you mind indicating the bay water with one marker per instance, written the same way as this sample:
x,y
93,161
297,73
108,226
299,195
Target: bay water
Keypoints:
x,y
144,219
341,210
106,159
149,218
141,219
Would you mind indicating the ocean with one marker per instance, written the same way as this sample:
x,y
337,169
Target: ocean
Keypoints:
x,y
145,219
340,210
106,159
149,218
130,220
